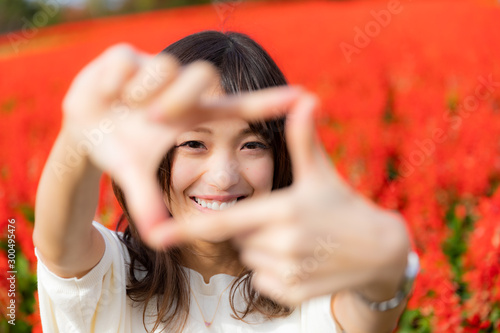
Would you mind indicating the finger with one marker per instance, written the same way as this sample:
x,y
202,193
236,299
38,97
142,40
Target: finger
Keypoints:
x,y
183,96
318,286
144,199
271,286
152,78
120,63
301,135
254,105
267,261
223,225
309,158
278,239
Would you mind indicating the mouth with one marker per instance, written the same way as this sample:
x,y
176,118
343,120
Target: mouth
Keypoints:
x,y
217,204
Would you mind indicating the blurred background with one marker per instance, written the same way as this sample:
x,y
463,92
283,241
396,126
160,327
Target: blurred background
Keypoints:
x,y
410,116
13,12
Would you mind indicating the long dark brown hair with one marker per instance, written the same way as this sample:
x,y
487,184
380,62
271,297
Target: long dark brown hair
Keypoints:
x,y
243,66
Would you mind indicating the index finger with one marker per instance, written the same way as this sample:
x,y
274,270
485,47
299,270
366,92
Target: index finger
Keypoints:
x,y
252,105
221,225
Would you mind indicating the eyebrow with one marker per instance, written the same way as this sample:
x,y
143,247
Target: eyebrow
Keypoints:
x,y
243,132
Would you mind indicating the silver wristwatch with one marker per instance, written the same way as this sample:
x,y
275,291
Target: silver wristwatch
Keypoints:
x,y
412,268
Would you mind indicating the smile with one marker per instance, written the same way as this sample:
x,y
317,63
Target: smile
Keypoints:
x,y
216,204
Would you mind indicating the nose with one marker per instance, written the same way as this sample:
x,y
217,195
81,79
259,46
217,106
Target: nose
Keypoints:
x,y
224,172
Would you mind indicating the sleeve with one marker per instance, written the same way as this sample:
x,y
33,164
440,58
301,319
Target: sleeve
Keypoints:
x,y
94,303
317,316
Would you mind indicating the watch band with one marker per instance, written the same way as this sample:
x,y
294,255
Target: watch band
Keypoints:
x,y
411,271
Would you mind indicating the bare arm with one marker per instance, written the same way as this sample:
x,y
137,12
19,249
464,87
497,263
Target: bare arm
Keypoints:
x,y
68,191
356,317
352,313
65,206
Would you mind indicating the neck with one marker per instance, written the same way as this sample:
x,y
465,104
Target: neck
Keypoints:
x,y
210,259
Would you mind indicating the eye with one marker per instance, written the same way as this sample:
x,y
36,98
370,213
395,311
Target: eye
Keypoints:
x,y
192,144
254,145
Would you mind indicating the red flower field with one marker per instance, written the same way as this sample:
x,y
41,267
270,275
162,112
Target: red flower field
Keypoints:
x,y
410,117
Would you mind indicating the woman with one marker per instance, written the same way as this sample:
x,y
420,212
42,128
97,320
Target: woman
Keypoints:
x,y
311,256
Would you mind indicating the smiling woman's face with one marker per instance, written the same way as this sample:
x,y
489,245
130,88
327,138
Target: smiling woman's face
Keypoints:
x,y
216,164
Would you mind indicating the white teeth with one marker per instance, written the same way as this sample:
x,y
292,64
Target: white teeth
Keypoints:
x,y
215,205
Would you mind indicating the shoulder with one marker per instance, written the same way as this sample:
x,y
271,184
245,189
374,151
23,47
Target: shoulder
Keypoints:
x,y
112,238
316,315
117,250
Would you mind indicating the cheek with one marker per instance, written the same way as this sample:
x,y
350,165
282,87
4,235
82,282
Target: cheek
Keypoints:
x,y
259,174
184,173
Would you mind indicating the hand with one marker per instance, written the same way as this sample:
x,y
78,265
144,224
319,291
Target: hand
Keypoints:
x,y
112,110
313,238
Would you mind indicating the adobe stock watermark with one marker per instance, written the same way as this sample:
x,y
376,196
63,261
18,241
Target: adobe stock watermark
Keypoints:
x,y
427,147
225,8
324,249
93,137
372,29
12,272
32,25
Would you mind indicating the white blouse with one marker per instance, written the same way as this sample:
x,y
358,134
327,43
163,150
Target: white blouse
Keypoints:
x,y
98,303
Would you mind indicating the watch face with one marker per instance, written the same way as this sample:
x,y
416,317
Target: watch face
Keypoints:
x,y
412,268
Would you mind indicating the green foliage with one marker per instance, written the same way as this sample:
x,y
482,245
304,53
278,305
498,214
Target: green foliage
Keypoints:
x,y
455,247
412,321
15,15
28,212
389,115
391,169
452,101
8,105
26,285
19,327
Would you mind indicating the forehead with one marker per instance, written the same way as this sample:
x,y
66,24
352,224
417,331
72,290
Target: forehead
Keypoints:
x,y
213,90
229,126
222,127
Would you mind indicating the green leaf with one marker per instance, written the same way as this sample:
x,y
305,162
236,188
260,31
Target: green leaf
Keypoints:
x,y
19,327
28,212
26,284
412,321
7,106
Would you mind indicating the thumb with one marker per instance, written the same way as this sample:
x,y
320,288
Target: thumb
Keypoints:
x,y
144,200
301,135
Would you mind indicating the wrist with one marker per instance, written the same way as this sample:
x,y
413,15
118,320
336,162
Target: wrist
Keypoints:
x,y
71,154
403,290
393,249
